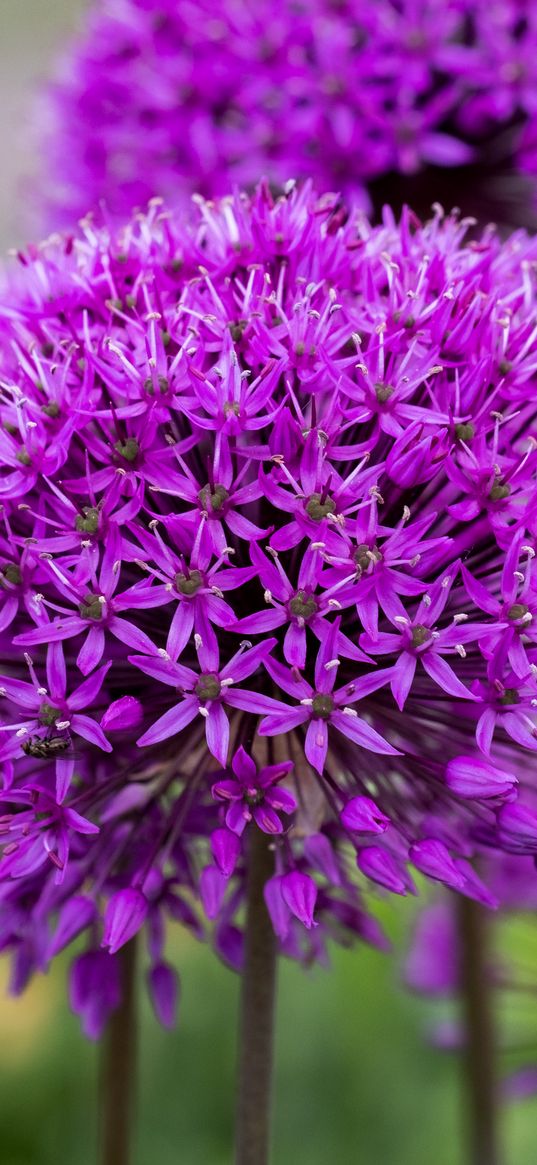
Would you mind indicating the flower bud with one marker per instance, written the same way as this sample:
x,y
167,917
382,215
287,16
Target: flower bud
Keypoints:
x,y
299,893
472,776
364,816
378,864
125,914
433,858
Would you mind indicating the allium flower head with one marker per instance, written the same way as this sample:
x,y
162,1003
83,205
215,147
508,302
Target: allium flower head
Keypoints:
x,y
268,518
166,97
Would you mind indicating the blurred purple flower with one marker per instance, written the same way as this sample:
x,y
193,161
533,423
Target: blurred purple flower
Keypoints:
x,y
170,97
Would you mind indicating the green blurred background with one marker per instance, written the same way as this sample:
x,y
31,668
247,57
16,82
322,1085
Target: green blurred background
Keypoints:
x,y
356,1084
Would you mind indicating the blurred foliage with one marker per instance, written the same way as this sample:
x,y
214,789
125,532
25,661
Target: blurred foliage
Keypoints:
x,y
356,1081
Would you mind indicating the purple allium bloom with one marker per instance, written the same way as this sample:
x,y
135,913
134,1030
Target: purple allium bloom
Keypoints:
x,y
252,795
433,968
275,421
171,97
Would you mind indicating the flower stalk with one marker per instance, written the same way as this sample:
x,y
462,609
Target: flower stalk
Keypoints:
x,y
256,1028
118,1068
480,1082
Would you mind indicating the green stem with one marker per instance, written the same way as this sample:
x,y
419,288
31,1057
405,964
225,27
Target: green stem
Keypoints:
x,y
258,991
118,1068
481,1092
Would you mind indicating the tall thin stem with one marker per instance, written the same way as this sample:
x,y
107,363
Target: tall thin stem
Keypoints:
x,y
480,1093
118,1069
258,990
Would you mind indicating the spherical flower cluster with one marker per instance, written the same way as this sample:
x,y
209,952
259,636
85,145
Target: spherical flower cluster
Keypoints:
x,y
269,506
166,97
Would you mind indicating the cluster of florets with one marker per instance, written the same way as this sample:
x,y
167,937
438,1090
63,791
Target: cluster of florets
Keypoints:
x,y
166,97
269,509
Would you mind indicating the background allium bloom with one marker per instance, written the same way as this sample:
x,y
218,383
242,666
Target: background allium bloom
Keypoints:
x,y
166,97
262,422
433,968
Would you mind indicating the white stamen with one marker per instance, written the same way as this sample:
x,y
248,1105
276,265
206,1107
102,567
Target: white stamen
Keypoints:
x,y
203,712
332,663
460,618
307,702
62,724
163,653
349,711
401,619
461,650
198,641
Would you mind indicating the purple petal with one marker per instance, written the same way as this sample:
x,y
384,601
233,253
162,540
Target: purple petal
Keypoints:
x,y
517,828
91,652
356,729
212,889
217,733
364,816
434,859
125,914
90,730
86,694
244,767
276,906
243,665
163,984
127,712
445,677
266,818
170,723
283,721
299,893
381,867
316,745
471,776
226,848
76,914
321,855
